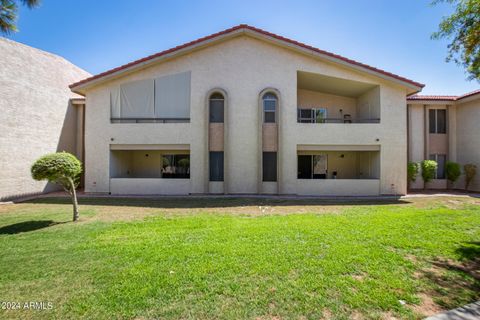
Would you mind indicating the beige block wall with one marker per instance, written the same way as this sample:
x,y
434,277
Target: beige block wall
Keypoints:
x,y
468,137
422,143
368,104
243,67
416,136
36,117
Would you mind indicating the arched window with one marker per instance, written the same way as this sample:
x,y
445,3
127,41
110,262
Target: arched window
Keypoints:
x,y
216,107
269,107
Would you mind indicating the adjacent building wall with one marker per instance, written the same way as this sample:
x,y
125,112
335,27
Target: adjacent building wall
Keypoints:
x,y
468,138
36,116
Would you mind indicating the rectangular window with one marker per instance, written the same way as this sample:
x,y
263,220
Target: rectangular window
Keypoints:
x,y
269,106
216,165
312,166
176,166
304,167
437,119
441,159
441,121
269,166
305,115
318,115
216,110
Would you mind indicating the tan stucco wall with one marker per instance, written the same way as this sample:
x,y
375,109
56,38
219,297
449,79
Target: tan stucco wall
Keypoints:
x,y
468,137
312,99
36,117
243,67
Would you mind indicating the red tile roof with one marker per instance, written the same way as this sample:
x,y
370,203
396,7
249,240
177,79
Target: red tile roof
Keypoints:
x,y
427,97
259,31
442,98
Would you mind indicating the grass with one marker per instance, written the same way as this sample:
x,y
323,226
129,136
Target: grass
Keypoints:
x,y
239,258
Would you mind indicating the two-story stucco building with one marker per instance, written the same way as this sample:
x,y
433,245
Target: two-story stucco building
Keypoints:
x,y
245,111
445,128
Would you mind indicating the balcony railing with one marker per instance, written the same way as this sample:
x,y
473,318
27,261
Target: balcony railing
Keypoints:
x,y
338,120
149,120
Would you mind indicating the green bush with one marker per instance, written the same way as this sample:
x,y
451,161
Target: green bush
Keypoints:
x,y
61,168
452,171
412,171
429,167
470,172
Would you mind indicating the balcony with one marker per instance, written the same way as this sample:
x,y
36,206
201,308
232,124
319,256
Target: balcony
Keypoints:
x,y
324,99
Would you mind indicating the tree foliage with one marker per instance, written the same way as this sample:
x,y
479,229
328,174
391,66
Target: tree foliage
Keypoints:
x,y
470,172
429,167
463,28
61,168
9,13
412,171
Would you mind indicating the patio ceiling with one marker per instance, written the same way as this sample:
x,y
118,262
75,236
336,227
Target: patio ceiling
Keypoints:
x,y
332,85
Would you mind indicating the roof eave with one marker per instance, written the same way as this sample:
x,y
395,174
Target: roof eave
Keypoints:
x,y
81,86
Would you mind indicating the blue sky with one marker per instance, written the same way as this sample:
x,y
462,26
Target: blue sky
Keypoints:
x,y
392,35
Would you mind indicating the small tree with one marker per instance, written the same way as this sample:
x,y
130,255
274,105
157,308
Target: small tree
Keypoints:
x,y
61,168
470,172
429,167
452,171
412,171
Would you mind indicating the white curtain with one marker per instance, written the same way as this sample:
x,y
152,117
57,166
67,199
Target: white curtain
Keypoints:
x,y
115,102
137,99
172,96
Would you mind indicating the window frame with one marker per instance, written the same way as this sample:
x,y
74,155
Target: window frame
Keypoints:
x,y
435,156
275,164
264,111
175,165
434,121
221,176
210,99
313,115
313,175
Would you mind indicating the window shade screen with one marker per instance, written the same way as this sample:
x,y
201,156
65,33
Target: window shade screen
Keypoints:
x,y
115,103
172,96
136,99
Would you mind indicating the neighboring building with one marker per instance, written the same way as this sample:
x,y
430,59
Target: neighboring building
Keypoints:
x,y
445,128
38,114
245,111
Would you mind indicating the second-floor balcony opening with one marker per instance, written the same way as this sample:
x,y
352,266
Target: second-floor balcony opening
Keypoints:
x,y
161,100
325,99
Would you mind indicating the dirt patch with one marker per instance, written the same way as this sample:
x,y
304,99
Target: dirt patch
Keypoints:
x,y
450,284
427,307
327,314
359,276
471,268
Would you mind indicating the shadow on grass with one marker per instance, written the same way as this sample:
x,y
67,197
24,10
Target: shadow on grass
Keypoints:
x,y
457,282
27,226
220,202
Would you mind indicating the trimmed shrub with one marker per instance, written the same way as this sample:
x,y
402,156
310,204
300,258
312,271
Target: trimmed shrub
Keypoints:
x,y
452,171
412,171
61,168
429,167
470,172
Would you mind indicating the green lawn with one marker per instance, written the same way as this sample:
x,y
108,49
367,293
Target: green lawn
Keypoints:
x,y
239,258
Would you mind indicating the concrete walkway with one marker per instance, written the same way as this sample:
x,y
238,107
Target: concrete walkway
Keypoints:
x,y
469,312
